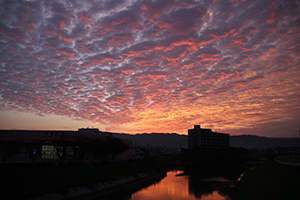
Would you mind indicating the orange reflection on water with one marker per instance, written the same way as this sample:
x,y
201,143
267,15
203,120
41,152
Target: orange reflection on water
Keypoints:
x,y
173,187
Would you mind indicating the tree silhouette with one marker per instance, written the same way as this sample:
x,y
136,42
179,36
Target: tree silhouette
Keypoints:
x,y
9,149
109,145
82,146
64,147
117,146
98,146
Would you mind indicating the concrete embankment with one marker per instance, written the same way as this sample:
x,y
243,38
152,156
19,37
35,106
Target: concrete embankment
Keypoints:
x,y
105,189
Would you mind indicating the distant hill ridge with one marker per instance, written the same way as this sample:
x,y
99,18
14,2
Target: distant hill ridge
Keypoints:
x,y
176,140
157,139
253,141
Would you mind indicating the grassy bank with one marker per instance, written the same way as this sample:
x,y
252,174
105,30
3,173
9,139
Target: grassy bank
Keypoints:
x,y
270,181
32,181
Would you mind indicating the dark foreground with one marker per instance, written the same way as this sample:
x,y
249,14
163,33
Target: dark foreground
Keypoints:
x,y
270,181
34,180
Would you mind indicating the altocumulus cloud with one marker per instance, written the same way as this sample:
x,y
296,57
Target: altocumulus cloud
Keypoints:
x,y
154,65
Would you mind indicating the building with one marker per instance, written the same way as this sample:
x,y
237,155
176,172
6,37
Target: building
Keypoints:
x,y
94,131
50,145
206,138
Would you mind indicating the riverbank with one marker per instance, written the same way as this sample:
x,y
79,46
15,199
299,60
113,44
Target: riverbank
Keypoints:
x,y
270,181
105,190
126,187
67,182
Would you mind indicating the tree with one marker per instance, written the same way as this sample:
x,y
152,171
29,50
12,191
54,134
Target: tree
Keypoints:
x,y
98,146
117,146
59,152
82,146
63,147
9,149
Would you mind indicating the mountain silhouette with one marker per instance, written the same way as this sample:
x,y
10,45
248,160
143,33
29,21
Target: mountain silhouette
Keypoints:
x,y
175,140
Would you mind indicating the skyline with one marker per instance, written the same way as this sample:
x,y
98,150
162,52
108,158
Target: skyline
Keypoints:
x,y
151,66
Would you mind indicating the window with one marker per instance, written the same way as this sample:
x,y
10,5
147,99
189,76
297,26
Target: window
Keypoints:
x,y
49,152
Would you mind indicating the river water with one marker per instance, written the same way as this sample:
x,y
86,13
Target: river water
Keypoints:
x,y
174,187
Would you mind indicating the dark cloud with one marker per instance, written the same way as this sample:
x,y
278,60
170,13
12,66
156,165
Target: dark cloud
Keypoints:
x,y
185,20
113,4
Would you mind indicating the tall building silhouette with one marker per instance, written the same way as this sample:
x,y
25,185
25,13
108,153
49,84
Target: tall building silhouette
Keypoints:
x,y
206,138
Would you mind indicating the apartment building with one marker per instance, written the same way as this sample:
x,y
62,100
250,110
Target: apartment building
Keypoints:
x,y
206,138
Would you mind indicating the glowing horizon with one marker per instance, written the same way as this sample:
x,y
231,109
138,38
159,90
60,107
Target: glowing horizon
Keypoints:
x,y
151,66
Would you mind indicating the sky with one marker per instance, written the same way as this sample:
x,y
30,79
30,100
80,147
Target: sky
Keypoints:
x,y
142,66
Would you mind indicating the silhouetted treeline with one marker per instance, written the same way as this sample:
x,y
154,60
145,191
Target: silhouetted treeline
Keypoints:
x,y
104,147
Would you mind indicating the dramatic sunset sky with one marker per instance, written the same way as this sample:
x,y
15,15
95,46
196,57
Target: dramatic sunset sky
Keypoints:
x,y
136,66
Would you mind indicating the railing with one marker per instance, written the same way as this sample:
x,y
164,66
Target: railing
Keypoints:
x,y
296,162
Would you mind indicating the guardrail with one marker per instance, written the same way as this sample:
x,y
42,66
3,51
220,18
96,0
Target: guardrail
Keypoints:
x,y
286,163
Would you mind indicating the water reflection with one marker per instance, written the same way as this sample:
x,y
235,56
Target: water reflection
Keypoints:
x,y
178,187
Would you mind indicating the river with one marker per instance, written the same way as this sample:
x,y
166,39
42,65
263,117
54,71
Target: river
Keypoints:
x,y
174,187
